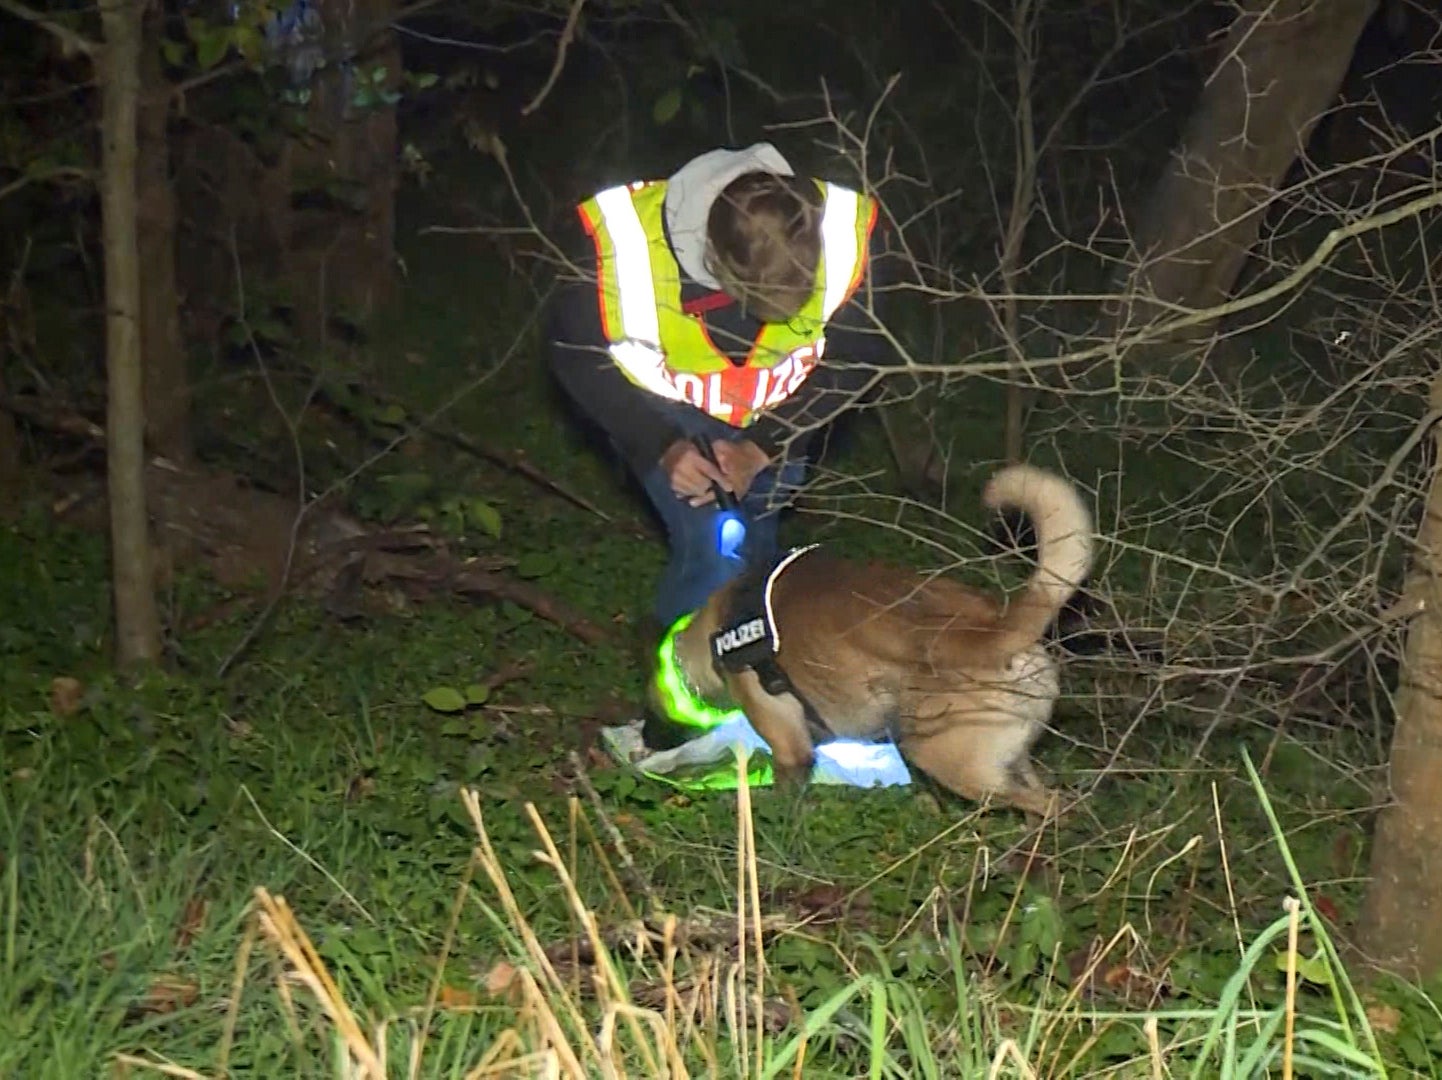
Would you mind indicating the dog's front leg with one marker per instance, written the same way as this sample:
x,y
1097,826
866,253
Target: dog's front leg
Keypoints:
x,y
781,721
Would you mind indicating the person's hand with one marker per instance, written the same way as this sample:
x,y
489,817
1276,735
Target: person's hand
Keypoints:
x,y
740,463
690,474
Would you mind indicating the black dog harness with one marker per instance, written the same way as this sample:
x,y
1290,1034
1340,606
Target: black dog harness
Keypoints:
x,y
749,638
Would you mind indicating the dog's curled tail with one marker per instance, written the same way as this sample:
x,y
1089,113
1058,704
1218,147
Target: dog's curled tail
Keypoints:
x,y
1063,526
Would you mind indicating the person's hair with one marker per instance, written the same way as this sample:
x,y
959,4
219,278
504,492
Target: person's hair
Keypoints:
x,y
763,242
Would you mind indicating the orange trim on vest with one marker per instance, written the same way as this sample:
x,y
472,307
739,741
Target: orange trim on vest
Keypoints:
x,y
590,227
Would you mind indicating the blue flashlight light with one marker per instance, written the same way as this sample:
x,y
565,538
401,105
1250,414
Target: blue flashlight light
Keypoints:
x,y
730,525
730,534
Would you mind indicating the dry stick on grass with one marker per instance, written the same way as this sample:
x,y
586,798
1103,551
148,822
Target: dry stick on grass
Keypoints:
x,y
488,584
634,877
53,417
425,562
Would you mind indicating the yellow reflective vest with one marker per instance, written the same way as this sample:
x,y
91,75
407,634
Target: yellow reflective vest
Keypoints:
x,y
663,349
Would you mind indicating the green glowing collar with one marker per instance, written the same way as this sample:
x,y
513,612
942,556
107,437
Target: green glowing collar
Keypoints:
x,y
681,702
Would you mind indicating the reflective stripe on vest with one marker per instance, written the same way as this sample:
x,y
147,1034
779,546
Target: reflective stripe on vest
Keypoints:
x,y
639,321
684,365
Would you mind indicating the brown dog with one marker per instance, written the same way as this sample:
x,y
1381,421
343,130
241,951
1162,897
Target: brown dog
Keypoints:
x,y
958,678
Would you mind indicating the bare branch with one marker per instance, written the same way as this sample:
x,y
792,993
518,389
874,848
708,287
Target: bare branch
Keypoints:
x,y
59,172
72,42
568,34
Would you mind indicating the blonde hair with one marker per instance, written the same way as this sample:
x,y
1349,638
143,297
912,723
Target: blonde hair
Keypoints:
x,y
763,243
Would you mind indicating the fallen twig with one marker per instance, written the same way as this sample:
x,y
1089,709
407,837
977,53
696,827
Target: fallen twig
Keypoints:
x,y
53,416
484,583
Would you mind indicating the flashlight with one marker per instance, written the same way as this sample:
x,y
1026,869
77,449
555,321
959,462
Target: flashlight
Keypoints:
x,y
730,526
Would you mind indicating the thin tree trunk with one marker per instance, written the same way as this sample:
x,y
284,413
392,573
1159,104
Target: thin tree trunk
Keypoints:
x,y
167,379
1281,65
137,623
1401,920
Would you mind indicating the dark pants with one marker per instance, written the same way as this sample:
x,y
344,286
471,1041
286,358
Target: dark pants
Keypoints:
x,y
697,568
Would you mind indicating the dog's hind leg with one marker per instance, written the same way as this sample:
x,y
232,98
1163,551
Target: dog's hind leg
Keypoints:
x,y
781,721
983,755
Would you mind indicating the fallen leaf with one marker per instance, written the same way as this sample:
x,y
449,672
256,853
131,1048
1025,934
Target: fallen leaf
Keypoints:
x,y
1384,1018
820,899
66,695
456,997
1121,976
169,993
360,787
192,920
504,980
598,759
1326,908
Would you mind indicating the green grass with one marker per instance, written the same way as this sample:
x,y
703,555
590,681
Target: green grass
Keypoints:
x,y
316,771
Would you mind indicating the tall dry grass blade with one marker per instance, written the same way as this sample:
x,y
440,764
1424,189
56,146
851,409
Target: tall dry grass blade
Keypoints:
x,y
796,1071
1015,903
753,878
611,978
665,1038
1105,887
548,1060
309,859
434,993
901,860
382,1045
237,988
1009,1049
279,924
538,1007
749,903
740,1025
287,1000
1154,1047
492,866
1294,920
1231,890
1187,848
508,1041
165,1068
734,1013
1063,1010
668,968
